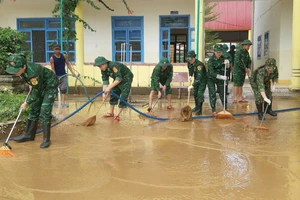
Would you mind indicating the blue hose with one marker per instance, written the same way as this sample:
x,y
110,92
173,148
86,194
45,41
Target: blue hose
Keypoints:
x,y
78,78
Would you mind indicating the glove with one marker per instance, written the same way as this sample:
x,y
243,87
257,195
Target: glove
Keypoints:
x,y
190,87
267,100
224,78
273,88
190,78
226,62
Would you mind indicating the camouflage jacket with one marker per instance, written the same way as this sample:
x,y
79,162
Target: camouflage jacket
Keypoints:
x,y
228,57
160,75
198,70
40,78
117,71
261,78
216,66
232,54
242,60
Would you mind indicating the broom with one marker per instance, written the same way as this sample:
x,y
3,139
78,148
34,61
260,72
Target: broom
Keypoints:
x,y
6,148
224,114
90,121
263,118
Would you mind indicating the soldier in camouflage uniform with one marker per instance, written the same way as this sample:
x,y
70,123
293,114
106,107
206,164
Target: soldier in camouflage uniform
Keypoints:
x,y
162,74
261,86
228,57
232,54
216,77
122,80
242,64
197,68
43,83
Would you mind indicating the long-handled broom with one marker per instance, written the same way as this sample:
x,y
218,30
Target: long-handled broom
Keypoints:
x,y
263,118
90,121
224,114
6,148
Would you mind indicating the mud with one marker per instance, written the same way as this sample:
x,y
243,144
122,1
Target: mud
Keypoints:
x,y
145,159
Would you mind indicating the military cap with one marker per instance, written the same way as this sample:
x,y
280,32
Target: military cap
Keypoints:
x,y
190,55
100,60
225,47
271,64
164,62
218,48
245,42
15,63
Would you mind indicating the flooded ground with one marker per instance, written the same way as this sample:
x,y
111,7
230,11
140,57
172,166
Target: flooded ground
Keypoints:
x,y
139,159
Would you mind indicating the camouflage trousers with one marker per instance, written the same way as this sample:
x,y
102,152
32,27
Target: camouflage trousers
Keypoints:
x,y
123,90
212,84
199,89
238,78
258,98
168,87
41,105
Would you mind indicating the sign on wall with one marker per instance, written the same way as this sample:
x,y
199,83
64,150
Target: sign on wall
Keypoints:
x,y
266,44
259,47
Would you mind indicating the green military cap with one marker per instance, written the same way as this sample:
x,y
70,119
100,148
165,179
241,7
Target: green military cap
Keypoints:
x,y
271,64
190,55
100,60
225,47
15,63
164,62
245,42
218,48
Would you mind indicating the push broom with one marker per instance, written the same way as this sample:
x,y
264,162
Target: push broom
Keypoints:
x,y
90,121
263,118
6,148
224,114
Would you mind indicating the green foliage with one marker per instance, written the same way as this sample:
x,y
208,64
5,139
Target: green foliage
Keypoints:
x,y
90,78
10,104
11,41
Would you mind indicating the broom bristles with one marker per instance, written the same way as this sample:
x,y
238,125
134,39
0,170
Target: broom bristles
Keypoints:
x,y
90,121
5,151
224,115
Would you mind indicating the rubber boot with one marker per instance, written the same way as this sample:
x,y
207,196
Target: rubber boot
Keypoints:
x,y
29,132
260,111
196,107
46,131
199,112
270,111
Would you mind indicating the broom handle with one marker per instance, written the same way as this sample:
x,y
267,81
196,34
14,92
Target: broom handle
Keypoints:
x,y
262,120
189,93
154,104
224,88
16,119
100,107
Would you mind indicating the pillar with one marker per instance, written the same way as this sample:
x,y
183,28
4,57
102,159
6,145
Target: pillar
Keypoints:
x,y
250,38
295,80
199,30
80,39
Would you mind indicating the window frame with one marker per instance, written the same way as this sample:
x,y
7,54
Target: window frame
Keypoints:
x,y
127,38
47,29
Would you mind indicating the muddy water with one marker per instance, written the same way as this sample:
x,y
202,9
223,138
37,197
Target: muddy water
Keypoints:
x,y
146,159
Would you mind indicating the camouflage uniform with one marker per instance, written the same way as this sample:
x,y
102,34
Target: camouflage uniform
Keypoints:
x,y
241,62
216,67
228,57
260,82
44,84
200,80
117,71
232,54
164,77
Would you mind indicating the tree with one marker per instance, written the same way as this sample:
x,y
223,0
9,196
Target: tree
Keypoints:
x,y
209,15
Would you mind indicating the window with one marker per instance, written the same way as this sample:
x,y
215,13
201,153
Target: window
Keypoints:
x,y
127,33
41,35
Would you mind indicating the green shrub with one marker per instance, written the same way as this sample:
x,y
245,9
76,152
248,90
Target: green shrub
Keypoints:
x,y
10,106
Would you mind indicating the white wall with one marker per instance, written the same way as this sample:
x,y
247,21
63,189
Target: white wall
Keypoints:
x,y
274,16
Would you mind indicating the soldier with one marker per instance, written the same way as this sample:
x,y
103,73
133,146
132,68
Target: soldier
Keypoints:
x,y
232,54
216,71
162,74
197,68
228,57
261,86
43,84
122,79
242,64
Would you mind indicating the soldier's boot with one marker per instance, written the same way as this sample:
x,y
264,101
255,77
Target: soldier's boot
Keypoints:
x,y
260,111
196,107
199,112
46,131
270,111
29,132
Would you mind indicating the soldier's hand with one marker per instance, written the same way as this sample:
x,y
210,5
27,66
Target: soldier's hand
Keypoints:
x,y
190,87
104,96
23,106
247,70
273,88
226,62
224,78
190,78
159,95
267,100
164,88
107,90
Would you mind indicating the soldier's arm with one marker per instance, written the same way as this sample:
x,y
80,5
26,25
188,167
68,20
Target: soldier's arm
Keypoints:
x,y
105,78
211,70
275,79
69,65
260,81
155,78
52,64
191,69
170,76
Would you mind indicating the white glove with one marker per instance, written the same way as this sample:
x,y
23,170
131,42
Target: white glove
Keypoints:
x,y
226,62
273,88
190,87
190,78
224,78
267,100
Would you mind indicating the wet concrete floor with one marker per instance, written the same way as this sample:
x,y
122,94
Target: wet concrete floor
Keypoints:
x,y
139,159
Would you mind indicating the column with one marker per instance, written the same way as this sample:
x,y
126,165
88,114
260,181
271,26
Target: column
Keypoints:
x,y
199,29
250,38
80,39
295,80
